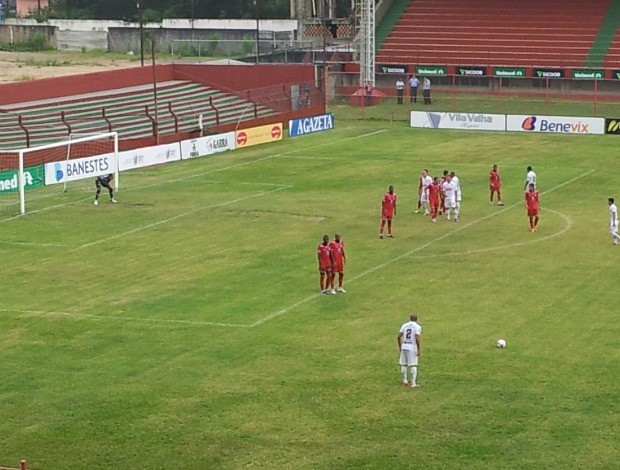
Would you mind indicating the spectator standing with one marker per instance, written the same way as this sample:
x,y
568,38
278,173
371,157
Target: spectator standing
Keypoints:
x,y
426,90
400,90
368,95
414,82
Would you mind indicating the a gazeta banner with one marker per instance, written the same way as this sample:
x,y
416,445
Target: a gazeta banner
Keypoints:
x,y
258,135
33,178
208,145
80,168
310,124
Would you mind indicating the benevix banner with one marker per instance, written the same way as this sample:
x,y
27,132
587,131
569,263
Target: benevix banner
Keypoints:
x,y
310,125
33,178
509,72
431,70
547,73
471,71
588,74
392,69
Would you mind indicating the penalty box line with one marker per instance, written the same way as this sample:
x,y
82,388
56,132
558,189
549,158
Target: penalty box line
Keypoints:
x,y
408,254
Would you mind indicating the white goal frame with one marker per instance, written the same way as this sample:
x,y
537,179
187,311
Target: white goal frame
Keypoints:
x,y
67,143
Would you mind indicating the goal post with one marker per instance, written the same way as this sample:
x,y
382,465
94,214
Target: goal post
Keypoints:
x,y
77,158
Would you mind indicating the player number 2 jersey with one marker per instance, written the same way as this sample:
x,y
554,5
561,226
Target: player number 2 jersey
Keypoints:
x,y
409,331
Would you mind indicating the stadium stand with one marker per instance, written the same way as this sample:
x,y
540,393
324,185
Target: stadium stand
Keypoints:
x,y
128,111
612,59
550,33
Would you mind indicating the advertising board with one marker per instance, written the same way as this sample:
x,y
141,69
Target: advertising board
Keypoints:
x,y
147,156
80,168
463,121
612,126
392,69
33,178
555,124
310,125
208,145
258,135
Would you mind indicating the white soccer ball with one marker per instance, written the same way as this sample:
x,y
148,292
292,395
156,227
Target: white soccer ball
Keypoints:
x,y
501,343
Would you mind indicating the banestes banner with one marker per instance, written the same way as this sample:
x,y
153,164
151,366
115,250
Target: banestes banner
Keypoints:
x,y
463,121
310,125
209,145
555,124
258,135
33,178
80,168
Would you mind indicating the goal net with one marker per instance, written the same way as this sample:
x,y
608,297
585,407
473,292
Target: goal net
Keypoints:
x,y
55,174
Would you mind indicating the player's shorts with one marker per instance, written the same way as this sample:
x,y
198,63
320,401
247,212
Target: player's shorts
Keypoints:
x,y
408,358
387,215
495,188
325,269
613,229
458,196
423,197
434,202
338,268
532,211
99,184
449,203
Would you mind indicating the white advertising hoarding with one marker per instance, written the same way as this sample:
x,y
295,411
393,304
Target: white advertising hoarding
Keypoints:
x,y
208,145
80,168
138,158
461,121
555,124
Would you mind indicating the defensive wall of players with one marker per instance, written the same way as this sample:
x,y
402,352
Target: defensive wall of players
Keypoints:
x,y
96,165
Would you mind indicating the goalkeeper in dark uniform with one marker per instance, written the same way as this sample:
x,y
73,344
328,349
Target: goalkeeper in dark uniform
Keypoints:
x,y
104,182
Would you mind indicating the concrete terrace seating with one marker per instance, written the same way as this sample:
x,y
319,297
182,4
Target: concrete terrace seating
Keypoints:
x,y
124,110
549,33
612,59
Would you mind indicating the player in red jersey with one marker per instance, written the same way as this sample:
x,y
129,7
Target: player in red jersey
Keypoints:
x,y
326,264
495,186
434,190
388,211
532,202
340,259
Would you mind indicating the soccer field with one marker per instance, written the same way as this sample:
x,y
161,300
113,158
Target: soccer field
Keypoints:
x,y
183,327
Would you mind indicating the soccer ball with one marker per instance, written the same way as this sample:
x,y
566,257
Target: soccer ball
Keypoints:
x,y
501,343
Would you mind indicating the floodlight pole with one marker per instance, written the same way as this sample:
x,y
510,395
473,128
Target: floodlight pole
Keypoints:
x,y
366,41
257,4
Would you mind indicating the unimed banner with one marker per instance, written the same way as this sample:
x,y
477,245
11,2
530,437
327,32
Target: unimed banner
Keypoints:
x,y
555,124
208,145
33,178
462,121
258,135
156,155
80,168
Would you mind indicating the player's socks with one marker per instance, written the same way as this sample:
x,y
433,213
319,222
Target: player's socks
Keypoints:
x,y
403,371
414,375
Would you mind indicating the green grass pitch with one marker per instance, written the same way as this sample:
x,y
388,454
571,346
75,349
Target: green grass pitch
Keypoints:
x,y
182,327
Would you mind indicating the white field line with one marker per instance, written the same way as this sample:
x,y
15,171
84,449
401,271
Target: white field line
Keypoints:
x,y
198,175
408,254
176,217
108,317
45,245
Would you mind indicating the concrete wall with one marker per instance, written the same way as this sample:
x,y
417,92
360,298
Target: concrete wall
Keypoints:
x,y
67,40
11,34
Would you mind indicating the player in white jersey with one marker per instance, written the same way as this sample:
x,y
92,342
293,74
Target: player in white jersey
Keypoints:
x,y
425,182
530,178
457,189
613,220
409,348
449,197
